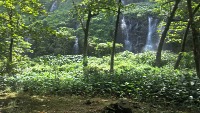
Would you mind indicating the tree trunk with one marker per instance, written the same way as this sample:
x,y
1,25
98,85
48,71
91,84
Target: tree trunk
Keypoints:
x,y
9,63
164,33
10,57
10,50
182,46
86,31
114,39
184,39
196,48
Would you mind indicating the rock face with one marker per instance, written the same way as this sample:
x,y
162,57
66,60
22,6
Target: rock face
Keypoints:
x,y
137,29
133,30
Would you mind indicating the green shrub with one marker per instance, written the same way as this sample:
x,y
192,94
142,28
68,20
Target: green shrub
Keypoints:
x,y
134,76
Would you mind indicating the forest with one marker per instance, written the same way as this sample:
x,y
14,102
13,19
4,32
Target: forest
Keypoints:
x,y
100,56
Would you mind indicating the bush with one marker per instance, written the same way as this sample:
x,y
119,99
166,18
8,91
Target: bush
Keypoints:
x,y
134,77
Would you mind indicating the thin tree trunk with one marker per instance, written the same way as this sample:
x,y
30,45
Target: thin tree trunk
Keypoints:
x,y
10,50
184,40
114,39
9,62
196,49
86,31
182,46
10,57
164,33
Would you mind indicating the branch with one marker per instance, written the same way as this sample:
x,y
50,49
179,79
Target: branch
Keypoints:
x,y
79,17
178,20
196,9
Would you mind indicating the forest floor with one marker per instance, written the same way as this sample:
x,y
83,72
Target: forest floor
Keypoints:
x,y
12,102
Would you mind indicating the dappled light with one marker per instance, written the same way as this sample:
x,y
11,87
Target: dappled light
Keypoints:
x,y
99,56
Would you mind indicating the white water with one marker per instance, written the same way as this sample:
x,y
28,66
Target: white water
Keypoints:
x,y
123,2
76,46
150,45
53,6
125,31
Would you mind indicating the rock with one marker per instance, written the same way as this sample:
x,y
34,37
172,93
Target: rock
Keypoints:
x,y
123,105
117,108
88,102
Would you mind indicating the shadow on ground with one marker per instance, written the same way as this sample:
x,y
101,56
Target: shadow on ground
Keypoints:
x,y
11,102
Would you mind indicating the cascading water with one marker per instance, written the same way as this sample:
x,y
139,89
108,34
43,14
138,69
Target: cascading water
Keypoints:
x,y
125,31
53,6
123,2
76,46
150,45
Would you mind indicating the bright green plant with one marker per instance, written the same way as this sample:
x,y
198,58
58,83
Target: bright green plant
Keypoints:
x,y
13,29
134,77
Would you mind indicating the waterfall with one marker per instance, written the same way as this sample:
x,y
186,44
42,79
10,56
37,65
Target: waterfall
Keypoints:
x,y
123,2
53,6
150,44
125,31
76,46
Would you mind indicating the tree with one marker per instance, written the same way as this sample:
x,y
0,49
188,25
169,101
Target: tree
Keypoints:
x,y
184,39
164,33
196,41
91,8
115,38
13,27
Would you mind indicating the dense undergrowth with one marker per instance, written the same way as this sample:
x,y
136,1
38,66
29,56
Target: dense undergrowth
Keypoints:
x,y
135,76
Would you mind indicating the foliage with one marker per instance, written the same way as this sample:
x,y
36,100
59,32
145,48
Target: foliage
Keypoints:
x,y
102,49
102,27
141,9
134,77
53,71
179,23
14,29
